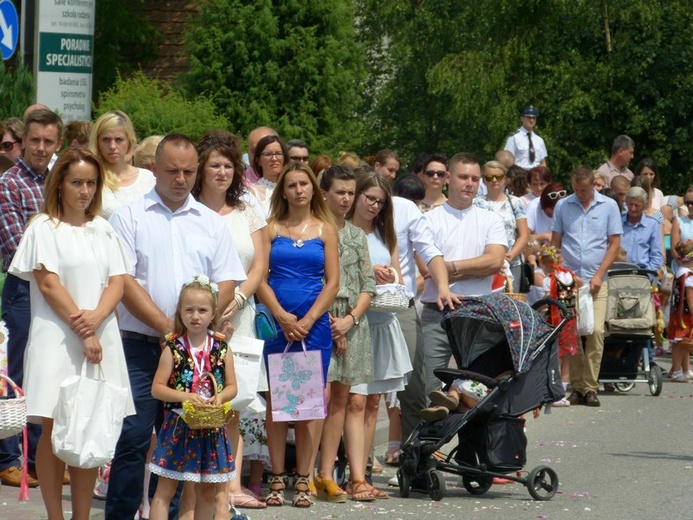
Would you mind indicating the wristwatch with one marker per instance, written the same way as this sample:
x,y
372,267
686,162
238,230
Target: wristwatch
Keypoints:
x,y
356,320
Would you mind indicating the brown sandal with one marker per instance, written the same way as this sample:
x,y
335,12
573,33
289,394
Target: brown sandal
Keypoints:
x,y
360,491
302,492
275,498
377,493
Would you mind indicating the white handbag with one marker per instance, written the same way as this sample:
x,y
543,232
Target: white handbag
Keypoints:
x,y
585,320
391,297
247,358
88,419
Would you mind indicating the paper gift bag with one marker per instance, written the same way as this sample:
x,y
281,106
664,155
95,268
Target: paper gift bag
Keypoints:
x,y
247,359
297,385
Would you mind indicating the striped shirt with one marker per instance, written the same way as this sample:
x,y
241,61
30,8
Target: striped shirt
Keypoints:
x,y
21,197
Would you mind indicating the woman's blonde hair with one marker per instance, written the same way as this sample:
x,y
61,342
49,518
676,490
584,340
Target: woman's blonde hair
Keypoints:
x,y
145,152
52,204
279,207
113,120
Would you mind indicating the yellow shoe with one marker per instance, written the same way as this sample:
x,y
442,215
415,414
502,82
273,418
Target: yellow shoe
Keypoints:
x,y
329,491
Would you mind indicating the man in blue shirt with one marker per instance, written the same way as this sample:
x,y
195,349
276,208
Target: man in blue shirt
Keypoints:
x,y
642,235
587,229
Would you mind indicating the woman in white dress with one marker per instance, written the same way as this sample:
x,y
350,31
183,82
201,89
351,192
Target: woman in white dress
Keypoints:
x,y
271,155
220,186
75,264
113,141
372,212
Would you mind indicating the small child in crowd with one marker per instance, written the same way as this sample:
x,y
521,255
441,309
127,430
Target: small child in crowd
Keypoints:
x,y
201,456
680,330
560,284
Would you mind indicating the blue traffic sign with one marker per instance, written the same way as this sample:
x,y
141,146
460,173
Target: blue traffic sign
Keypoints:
x,y
9,29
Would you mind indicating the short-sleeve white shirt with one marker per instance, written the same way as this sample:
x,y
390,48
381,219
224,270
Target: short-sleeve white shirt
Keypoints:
x,y
537,221
461,235
413,236
518,145
167,249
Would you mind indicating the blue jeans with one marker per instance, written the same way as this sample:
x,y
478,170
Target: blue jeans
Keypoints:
x,y
16,311
126,483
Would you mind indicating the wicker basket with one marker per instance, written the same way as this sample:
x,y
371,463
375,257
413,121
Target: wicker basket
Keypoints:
x,y
202,417
12,412
520,297
392,297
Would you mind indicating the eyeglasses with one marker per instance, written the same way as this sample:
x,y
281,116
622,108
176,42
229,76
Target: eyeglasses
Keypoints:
x,y
373,201
688,202
494,177
7,145
557,194
433,173
299,158
270,155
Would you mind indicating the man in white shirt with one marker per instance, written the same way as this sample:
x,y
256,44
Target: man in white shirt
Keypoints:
x,y
526,146
169,237
473,243
414,236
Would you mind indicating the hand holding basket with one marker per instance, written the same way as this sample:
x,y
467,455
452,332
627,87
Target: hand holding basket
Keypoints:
x,y
12,411
206,416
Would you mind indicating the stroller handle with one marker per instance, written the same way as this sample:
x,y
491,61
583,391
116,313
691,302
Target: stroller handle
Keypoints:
x,y
567,313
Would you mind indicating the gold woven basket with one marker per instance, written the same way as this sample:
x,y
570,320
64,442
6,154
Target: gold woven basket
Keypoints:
x,y
520,297
206,417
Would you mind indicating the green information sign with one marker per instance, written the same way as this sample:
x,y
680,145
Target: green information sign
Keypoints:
x,y
65,52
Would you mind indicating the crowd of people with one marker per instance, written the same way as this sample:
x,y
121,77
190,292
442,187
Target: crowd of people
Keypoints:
x,y
151,257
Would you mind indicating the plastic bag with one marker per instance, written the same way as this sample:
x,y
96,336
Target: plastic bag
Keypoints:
x,y
88,420
585,311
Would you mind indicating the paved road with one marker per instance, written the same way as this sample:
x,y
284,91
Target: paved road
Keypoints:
x,y
630,459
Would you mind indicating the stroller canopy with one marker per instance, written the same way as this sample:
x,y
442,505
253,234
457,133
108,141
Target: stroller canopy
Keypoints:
x,y
524,329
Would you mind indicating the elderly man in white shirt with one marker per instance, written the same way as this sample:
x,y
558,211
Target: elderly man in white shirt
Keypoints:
x,y
414,236
473,243
169,238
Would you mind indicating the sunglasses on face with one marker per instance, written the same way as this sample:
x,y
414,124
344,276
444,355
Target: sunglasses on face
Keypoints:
x,y
432,173
373,201
494,177
688,202
557,194
7,145
299,158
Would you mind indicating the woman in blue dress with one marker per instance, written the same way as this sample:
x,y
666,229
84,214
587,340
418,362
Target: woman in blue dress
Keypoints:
x,y
302,283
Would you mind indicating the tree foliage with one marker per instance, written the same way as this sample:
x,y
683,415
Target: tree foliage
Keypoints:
x,y
157,109
453,75
123,41
16,89
295,65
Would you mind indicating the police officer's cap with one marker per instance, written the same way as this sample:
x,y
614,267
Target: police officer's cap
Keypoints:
x,y
529,111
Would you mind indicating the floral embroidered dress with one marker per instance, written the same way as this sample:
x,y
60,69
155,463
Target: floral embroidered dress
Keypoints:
x,y
562,286
355,276
185,454
510,210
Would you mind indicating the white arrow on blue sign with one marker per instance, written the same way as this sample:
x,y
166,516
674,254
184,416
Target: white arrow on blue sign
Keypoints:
x,y
9,29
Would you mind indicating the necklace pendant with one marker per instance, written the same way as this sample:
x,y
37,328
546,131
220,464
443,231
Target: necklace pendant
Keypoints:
x,y
298,243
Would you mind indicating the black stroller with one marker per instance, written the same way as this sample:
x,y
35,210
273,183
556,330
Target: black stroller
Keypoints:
x,y
489,336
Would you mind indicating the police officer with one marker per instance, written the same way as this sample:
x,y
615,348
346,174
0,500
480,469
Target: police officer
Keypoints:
x,y
527,147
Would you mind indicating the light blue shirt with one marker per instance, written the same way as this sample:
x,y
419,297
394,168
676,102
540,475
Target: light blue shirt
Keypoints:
x,y
585,233
643,242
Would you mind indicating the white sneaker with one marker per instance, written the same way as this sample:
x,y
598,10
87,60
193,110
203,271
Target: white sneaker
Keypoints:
x,y
689,375
562,402
678,377
473,389
393,482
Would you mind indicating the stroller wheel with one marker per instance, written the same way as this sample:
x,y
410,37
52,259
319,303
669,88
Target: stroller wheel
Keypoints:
x,y
624,387
477,484
542,483
436,485
404,483
655,380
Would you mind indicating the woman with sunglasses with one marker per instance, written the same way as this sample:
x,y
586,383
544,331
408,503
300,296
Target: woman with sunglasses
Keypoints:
x,y
510,209
372,212
271,155
434,176
11,144
540,212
